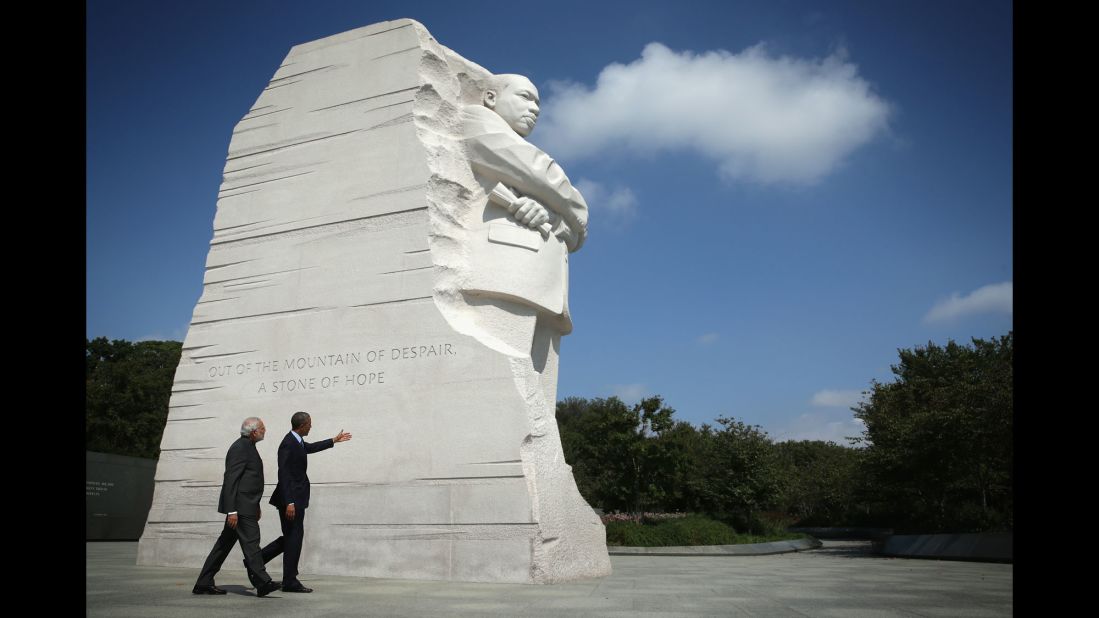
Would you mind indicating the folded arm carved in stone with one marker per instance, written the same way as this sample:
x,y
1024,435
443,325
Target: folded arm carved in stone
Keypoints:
x,y
494,137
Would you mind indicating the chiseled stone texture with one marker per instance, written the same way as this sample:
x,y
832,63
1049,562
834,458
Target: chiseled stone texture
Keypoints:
x,y
331,287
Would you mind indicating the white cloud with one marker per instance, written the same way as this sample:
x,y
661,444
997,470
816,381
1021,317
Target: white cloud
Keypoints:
x,y
708,338
836,399
821,426
762,118
993,298
617,206
629,393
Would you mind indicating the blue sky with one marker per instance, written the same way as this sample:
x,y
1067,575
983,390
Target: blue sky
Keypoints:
x,y
759,247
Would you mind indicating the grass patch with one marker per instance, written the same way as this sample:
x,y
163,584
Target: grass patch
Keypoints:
x,y
689,530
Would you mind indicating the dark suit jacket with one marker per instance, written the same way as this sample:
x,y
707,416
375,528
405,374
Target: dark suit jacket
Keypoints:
x,y
242,487
293,485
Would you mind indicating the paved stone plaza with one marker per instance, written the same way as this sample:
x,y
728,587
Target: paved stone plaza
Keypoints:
x,y
842,579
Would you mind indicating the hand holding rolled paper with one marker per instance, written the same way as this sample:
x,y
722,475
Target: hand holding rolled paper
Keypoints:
x,y
502,196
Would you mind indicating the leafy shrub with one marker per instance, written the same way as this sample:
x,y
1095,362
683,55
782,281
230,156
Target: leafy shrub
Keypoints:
x,y
677,529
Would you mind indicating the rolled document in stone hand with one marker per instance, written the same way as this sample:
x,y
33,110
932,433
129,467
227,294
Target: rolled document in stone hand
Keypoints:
x,y
502,196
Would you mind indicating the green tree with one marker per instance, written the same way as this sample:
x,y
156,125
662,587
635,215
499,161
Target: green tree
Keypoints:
x,y
940,438
740,471
625,458
821,481
127,388
654,458
680,458
601,441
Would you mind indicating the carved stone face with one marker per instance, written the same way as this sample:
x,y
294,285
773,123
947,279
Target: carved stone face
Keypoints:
x,y
516,101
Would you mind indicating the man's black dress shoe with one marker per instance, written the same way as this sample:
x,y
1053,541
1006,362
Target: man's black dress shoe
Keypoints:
x,y
207,590
267,588
298,588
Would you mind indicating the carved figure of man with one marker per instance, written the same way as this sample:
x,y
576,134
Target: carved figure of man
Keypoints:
x,y
523,256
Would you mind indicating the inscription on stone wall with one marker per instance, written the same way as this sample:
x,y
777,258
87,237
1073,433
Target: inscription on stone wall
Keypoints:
x,y
342,370
97,488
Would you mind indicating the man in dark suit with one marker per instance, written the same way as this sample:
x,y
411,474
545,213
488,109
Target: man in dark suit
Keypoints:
x,y
241,491
291,497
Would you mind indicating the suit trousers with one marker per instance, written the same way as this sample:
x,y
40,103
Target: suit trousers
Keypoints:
x,y
289,545
247,533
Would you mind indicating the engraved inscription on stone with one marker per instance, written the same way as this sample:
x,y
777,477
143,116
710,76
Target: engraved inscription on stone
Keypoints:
x,y
346,369
97,488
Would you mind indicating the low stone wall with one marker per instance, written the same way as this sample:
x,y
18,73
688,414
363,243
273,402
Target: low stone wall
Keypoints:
x,y
750,549
979,547
117,494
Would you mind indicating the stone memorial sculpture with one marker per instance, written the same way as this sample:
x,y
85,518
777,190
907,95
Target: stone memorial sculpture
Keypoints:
x,y
391,255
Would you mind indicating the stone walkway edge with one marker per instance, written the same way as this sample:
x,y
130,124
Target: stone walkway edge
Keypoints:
x,y
750,549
